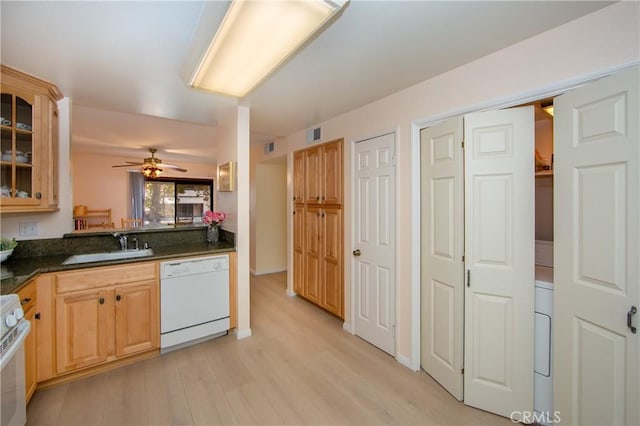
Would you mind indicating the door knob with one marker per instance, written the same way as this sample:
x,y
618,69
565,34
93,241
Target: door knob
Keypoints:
x,y
356,252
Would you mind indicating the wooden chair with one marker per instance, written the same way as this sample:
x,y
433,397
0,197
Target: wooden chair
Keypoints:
x,y
99,219
131,223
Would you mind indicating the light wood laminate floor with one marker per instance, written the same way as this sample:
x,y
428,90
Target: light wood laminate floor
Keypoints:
x,y
299,368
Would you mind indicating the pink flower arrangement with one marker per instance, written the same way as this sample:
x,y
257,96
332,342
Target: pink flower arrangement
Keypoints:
x,y
214,218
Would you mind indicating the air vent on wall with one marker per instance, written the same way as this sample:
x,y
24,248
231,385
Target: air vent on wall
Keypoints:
x,y
269,147
314,135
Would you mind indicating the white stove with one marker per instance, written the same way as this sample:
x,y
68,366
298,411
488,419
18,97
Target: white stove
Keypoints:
x,y
11,313
13,331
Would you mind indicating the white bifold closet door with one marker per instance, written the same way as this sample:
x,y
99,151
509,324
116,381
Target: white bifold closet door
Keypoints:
x,y
442,244
597,254
499,260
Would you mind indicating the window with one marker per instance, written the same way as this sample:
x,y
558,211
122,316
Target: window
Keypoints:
x,y
170,201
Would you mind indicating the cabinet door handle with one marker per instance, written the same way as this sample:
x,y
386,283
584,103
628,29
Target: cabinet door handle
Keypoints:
x,y
37,315
101,300
118,297
318,198
630,315
38,195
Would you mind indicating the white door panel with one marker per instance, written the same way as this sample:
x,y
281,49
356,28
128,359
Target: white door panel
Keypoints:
x,y
597,256
441,254
499,259
374,227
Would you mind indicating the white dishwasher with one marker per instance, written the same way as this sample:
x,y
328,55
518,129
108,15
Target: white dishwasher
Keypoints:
x,y
194,300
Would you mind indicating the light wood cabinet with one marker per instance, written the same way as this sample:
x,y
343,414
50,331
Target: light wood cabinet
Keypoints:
x,y
298,249
233,289
312,254
298,176
331,261
103,314
136,318
27,297
332,173
82,329
28,143
317,174
318,226
45,327
312,176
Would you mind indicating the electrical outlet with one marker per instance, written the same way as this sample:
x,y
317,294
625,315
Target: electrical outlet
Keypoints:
x,y
28,229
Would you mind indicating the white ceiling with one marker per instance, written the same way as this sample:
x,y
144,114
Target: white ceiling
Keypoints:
x,y
122,63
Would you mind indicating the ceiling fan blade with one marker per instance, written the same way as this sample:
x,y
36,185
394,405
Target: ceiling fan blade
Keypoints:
x,y
171,166
128,165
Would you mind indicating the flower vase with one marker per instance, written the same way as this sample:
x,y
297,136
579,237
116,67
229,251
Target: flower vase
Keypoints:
x,y
213,234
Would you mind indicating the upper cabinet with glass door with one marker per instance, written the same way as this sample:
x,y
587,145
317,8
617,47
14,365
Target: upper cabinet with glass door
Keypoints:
x,y
28,143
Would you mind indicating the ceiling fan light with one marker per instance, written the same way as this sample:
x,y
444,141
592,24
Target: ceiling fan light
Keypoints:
x,y
151,171
255,37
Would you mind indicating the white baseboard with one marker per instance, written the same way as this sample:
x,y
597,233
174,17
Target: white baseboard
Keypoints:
x,y
405,361
241,334
347,327
269,271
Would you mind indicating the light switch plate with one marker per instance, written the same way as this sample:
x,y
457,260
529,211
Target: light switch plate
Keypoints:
x,y
28,229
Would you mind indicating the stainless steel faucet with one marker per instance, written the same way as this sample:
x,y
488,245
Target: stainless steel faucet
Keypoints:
x,y
123,240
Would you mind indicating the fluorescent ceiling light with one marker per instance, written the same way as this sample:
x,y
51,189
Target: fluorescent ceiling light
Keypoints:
x,y
255,37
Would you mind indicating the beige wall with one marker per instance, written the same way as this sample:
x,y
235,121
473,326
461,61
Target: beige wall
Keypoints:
x,y
98,185
544,185
579,48
270,211
544,208
234,145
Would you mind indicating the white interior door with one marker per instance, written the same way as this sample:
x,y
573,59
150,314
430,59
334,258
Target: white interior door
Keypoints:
x,y
374,241
442,244
597,259
499,260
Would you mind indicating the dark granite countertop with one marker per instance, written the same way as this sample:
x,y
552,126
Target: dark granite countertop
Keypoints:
x,y
19,271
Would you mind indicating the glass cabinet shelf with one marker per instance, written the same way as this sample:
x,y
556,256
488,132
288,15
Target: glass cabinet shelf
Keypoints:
x,y
28,143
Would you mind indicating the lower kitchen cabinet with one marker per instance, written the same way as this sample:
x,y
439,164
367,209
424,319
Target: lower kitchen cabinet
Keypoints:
x,y
83,325
114,320
136,318
87,320
27,297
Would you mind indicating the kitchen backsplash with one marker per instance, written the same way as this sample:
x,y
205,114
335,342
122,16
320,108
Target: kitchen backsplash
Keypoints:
x,y
102,241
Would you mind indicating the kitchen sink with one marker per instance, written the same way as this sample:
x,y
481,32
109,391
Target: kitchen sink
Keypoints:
x,y
109,255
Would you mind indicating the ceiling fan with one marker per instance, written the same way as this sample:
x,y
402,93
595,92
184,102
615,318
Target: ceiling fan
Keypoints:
x,y
152,166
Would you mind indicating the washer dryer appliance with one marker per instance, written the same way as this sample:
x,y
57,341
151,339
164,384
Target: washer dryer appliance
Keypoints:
x,y
543,371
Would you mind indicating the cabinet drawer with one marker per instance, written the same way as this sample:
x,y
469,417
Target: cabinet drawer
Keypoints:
x,y
27,295
84,279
